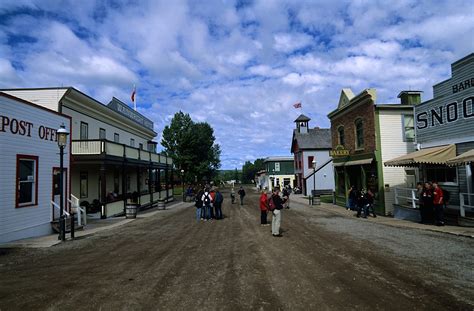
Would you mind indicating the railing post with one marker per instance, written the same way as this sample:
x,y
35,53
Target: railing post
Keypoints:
x,y
396,195
461,205
413,198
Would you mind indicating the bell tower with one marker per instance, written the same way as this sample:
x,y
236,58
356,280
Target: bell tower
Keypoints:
x,y
302,123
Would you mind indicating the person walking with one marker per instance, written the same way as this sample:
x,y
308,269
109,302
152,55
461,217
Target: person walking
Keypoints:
x,y
207,203
263,208
241,194
199,206
421,206
438,202
286,198
232,195
352,198
218,199
370,203
277,202
427,197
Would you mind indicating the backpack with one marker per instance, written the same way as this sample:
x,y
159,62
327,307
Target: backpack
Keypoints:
x,y
207,199
219,198
271,204
198,201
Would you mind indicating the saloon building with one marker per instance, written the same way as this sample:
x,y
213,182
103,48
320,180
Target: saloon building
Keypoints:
x,y
29,166
313,163
445,137
113,155
364,135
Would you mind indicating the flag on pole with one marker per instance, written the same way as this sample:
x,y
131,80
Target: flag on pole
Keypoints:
x,y
134,91
297,105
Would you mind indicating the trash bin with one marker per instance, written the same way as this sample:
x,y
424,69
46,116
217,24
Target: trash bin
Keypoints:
x,y
131,210
316,200
161,204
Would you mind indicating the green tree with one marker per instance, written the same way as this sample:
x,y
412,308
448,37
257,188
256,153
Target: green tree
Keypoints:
x,y
249,170
192,147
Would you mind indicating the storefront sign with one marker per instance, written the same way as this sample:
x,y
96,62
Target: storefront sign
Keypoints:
x,y
129,113
339,152
461,86
446,114
25,128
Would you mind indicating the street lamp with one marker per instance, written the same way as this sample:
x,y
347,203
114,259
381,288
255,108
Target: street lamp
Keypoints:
x,y
274,180
314,176
182,182
61,134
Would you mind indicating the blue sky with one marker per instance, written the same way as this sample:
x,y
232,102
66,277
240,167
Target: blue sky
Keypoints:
x,y
239,65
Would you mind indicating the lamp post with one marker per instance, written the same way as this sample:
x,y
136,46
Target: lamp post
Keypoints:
x,y
182,182
61,134
273,180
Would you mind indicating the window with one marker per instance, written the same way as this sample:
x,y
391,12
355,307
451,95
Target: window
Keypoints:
x,y
84,185
408,128
116,138
340,135
102,133
84,131
277,167
27,180
359,131
310,161
140,146
132,142
442,174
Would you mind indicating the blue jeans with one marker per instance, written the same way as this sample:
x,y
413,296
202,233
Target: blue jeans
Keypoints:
x,y
218,212
198,213
208,212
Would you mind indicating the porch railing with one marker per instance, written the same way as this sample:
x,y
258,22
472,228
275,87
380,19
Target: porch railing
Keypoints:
x,y
81,213
98,147
406,197
466,202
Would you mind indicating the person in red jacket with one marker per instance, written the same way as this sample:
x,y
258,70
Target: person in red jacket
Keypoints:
x,y
263,208
438,202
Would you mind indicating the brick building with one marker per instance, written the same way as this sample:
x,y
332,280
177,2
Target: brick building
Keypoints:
x,y
364,134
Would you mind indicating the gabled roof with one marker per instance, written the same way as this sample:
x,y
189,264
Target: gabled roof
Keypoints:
x,y
345,98
315,139
302,118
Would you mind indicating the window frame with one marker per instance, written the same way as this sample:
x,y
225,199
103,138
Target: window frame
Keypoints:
x,y
343,140
443,183
117,138
310,162
81,174
404,128
132,142
84,135
102,130
357,145
277,164
34,195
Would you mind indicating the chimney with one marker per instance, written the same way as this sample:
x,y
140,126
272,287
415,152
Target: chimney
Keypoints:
x,y
410,97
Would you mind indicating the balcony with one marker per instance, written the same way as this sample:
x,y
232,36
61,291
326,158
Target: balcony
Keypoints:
x,y
105,148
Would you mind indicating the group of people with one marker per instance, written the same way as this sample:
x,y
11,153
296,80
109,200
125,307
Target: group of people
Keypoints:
x,y
241,194
361,201
274,203
432,201
208,202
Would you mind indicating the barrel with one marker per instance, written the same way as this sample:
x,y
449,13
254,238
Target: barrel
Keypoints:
x,y
316,200
131,211
161,204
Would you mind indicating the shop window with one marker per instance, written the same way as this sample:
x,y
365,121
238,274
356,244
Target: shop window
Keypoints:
x,y
84,185
27,180
442,174
340,135
84,132
116,138
102,133
310,161
359,131
132,142
408,128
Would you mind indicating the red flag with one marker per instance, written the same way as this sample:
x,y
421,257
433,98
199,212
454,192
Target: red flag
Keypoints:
x,y
133,94
297,105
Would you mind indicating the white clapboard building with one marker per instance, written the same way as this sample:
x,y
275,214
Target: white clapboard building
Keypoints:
x,y
114,159
29,168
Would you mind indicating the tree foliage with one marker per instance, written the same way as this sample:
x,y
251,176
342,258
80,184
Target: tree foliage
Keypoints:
x,y
249,170
192,147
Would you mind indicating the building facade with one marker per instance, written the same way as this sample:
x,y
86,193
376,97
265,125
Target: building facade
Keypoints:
x,y
113,156
29,166
445,135
310,147
279,172
364,135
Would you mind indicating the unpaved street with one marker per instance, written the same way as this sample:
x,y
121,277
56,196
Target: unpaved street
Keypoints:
x,y
171,262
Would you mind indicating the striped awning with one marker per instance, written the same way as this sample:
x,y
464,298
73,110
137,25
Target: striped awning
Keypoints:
x,y
462,159
434,155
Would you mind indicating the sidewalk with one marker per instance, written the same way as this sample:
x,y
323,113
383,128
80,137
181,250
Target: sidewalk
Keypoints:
x,y
389,221
93,226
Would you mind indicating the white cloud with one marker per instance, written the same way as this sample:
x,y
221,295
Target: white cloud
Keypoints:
x,y
289,42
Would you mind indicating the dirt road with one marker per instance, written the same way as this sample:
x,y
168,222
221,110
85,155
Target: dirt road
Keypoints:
x,y
172,262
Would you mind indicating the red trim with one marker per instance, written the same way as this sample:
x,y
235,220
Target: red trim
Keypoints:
x,y
17,184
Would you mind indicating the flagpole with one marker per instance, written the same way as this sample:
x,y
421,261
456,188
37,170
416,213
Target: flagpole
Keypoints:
x,y
135,97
